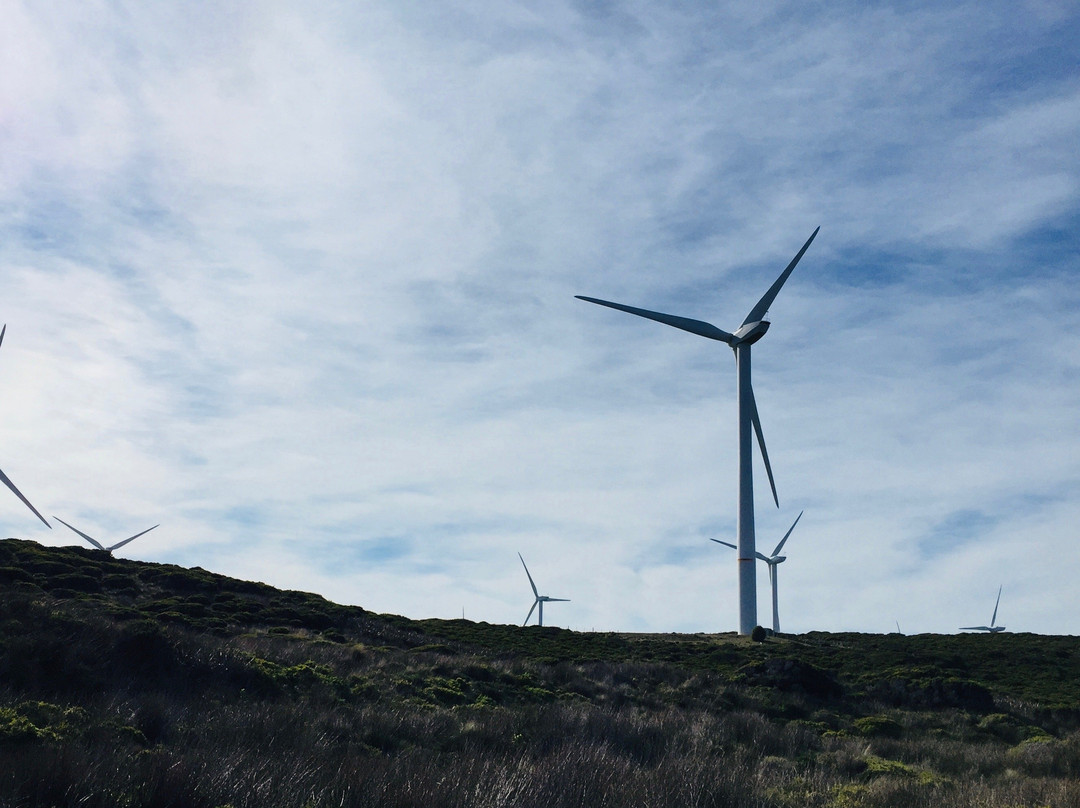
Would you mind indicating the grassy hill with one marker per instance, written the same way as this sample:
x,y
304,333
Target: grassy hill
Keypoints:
x,y
135,684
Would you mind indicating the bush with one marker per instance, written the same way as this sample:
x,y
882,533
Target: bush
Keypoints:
x,y
878,726
100,707
143,649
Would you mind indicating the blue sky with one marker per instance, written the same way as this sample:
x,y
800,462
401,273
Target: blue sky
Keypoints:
x,y
298,284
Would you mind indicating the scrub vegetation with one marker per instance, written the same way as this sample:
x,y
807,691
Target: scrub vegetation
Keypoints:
x,y
132,684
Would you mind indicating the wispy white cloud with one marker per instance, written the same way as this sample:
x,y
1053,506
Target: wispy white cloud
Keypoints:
x,y
298,283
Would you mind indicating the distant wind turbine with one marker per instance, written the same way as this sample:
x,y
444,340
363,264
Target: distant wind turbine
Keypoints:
x,y
992,628
540,599
4,478
773,561
98,544
752,329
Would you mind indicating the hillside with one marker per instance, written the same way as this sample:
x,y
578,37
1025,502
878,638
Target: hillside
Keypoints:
x,y
128,683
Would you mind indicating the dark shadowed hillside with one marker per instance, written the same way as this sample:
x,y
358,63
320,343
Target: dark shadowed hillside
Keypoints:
x,y
126,683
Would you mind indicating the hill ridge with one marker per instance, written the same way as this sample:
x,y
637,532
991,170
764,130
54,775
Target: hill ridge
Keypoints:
x,y
128,682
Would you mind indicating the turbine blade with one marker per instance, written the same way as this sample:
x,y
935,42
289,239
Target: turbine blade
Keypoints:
x,y
18,493
725,543
537,594
764,558
758,312
974,628
530,613
780,546
125,541
993,620
558,600
699,327
756,421
94,542
2,331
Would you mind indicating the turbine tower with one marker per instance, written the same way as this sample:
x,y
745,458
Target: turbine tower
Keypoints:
x,y
993,629
773,561
540,599
752,329
4,478
98,544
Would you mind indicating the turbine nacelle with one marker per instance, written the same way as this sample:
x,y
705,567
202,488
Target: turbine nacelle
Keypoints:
x,y
749,333
771,560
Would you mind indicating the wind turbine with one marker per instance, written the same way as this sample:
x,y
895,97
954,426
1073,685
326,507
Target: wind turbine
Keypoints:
x,y
993,629
540,599
4,478
752,329
773,561
98,544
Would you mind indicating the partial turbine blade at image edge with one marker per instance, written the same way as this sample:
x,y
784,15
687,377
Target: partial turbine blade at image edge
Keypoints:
x,y
699,327
26,502
758,312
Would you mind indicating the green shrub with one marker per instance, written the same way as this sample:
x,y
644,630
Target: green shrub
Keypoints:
x,y
878,726
877,766
15,728
40,721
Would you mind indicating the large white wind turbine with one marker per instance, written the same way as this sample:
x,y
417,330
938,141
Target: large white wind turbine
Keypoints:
x,y
540,599
991,628
98,544
773,561
752,329
4,478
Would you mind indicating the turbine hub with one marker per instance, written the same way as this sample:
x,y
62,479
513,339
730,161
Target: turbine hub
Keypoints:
x,y
750,333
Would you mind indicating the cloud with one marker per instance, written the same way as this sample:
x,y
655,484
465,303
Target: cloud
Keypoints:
x,y
298,283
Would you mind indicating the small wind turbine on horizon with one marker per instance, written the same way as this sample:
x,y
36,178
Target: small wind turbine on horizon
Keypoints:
x,y
773,561
4,478
98,544
752,329
540,599
993,629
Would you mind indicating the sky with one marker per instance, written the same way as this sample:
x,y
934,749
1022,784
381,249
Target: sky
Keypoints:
x,y
296,281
